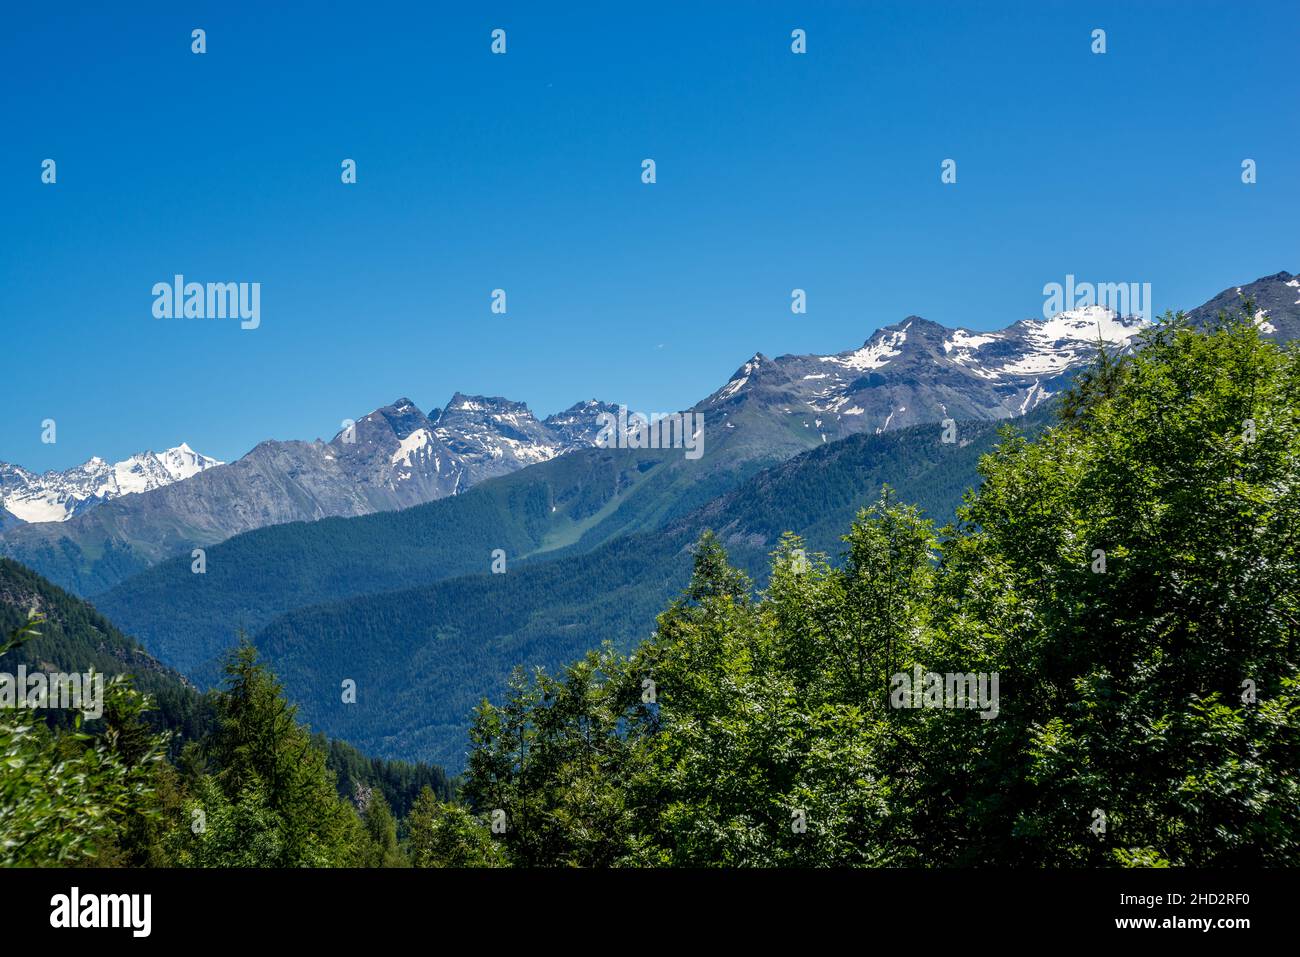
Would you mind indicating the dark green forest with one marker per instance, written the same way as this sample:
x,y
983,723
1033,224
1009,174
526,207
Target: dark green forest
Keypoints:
x,y
75,637
1128,574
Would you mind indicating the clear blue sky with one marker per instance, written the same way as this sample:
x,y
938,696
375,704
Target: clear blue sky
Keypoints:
x,y
522,171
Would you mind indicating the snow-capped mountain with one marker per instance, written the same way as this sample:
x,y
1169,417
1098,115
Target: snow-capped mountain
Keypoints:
x,y
407,457
919,371
57,496
493,436
577,427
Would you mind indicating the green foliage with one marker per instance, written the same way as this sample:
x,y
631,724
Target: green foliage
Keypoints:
x,y
443,834
64,797
1124,688
266,759
270,792
74,637
381,828
1131,576
400,782
219,832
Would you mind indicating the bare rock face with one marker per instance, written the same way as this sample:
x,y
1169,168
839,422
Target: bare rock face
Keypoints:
x,y
1277,306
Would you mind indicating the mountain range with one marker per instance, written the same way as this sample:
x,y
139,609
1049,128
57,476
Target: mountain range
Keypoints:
x,y
393,458
397,456
920,371
424,656
94,526
58,496
909,372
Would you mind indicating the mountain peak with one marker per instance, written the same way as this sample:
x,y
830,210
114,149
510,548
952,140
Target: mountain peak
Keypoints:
x,y
462,402
752,365
1089,323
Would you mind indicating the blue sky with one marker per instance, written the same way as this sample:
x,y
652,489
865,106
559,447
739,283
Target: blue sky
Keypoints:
x,y
522,171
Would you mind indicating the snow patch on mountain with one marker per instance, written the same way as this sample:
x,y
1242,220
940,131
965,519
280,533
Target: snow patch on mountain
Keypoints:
x,y
1034,397
965,344
1057,344
411,446
872,355
741,378
732,387
38,506
919,371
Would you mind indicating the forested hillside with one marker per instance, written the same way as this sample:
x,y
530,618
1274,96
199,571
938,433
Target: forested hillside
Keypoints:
x,y
157,732
576,501
422,658
74,637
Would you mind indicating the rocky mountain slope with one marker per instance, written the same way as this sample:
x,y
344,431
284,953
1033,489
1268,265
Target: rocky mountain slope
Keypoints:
x,y
918,371
1277,305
